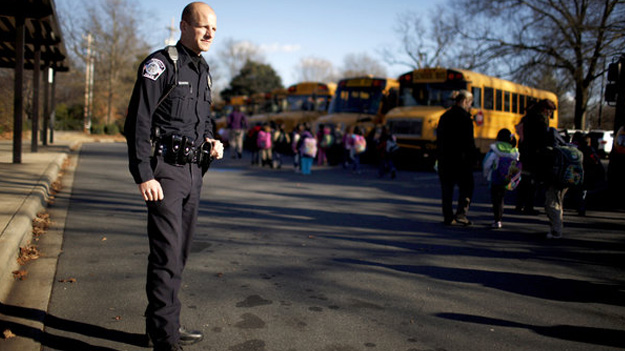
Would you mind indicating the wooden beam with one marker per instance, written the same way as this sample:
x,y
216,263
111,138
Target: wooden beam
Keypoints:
x,y
35,110
18,99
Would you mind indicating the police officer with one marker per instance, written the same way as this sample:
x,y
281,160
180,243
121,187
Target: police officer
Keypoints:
x,y
170,141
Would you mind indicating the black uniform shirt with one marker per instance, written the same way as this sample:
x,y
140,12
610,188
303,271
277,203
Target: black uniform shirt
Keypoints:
x,y
184,112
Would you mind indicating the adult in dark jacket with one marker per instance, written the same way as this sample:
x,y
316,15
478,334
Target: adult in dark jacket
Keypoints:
x,y
168,119
533,148
456,154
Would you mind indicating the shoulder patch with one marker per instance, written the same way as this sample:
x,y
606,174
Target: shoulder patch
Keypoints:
x,y
153,69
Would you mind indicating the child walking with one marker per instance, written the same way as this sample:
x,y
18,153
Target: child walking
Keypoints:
x,y
502,169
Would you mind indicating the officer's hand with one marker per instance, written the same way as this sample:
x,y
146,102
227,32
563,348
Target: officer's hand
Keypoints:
x,y
217,151
151,190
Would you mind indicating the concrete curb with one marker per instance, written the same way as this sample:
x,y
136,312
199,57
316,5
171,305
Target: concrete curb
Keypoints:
x,y
18,232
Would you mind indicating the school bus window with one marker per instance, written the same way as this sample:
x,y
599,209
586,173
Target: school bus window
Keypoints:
x,y
359,95
498,96
506,101
429,94
522,104
477,97
489,101
515,102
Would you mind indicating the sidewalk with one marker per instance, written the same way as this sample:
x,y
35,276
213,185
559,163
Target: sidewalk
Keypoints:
x,y
25,189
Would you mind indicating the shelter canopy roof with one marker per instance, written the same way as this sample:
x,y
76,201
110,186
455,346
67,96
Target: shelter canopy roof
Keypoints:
x,y
41,29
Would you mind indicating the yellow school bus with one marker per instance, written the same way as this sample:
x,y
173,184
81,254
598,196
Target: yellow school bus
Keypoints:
x,y
425,94
263,105
361,101
305,102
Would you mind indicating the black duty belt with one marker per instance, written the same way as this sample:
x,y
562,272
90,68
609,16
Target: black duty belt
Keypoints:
x,y
180,150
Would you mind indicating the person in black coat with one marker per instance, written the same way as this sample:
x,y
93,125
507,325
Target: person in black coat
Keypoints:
x,y
456,154
533,147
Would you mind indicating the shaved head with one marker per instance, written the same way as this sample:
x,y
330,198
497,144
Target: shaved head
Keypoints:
x,y
190,12
198,26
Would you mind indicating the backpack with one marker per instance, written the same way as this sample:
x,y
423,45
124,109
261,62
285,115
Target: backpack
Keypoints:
x,y
309,147
326,140
263,140
567,167
506,172
360,144
391,145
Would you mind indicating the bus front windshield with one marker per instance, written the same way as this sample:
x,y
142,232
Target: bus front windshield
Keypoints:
x,y
307,103
357,100
428,94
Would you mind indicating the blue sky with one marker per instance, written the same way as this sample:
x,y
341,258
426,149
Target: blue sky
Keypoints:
x,y
292,30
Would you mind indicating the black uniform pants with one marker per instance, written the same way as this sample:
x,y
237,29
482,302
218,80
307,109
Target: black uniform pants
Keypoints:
x,y
171,225
450,177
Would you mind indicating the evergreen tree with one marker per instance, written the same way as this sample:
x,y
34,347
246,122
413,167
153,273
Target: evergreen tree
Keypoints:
x,y
253,78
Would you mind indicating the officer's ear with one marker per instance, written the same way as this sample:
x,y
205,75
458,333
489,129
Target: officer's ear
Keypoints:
x,y
183,26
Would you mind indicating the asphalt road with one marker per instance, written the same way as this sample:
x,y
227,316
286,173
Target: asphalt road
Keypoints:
x,y
336,262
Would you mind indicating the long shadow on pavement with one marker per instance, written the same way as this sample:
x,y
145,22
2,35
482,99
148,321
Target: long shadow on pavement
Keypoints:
x,y
590,335
59,342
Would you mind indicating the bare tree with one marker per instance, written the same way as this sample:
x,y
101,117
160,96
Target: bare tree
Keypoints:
x,y
570,38
117,48
234,54
355,65
6,101
424,43
315,69
114,28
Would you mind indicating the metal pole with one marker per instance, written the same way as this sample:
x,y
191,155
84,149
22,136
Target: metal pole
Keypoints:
x,y
87,112
601,99
616,166
46,108
52,82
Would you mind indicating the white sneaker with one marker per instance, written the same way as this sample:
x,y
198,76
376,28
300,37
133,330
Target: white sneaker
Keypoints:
x,y
496,225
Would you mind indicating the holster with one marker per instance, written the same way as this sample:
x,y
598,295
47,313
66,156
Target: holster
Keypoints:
x,y
204,156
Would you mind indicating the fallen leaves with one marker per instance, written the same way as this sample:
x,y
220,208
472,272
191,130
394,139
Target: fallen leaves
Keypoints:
x,y
27,254
55,188
69,280
8,334
20,275
41,223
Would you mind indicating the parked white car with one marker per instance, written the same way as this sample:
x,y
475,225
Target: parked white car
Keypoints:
x,y
602,141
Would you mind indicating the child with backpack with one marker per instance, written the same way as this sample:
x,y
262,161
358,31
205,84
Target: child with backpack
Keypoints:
x,y
563,164
326,140
263,141
502,169
308,149
358,147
